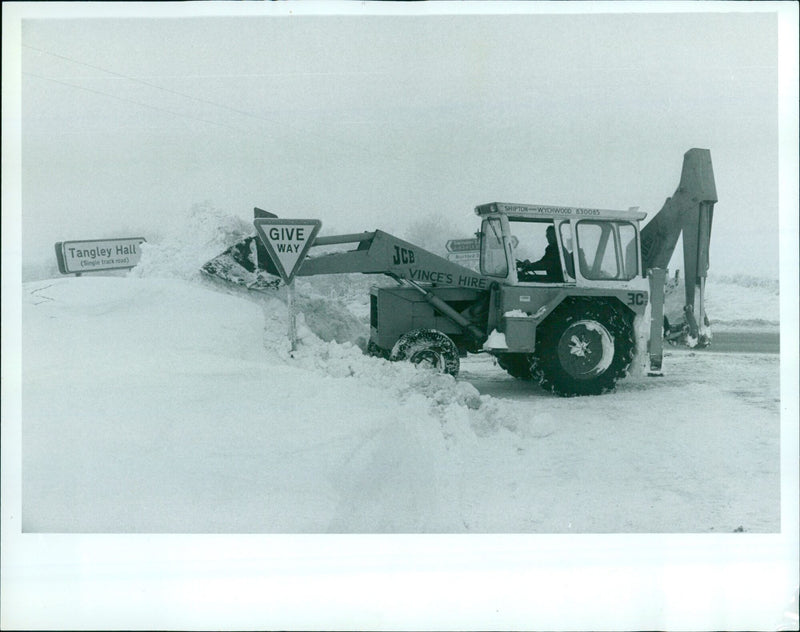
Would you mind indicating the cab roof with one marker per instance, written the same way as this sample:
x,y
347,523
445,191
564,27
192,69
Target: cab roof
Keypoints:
x,y
557,212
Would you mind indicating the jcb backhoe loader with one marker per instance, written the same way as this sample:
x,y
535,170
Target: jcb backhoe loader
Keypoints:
x,y
567,320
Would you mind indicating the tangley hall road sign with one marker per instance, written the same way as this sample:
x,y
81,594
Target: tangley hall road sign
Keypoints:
x,y
287,242
91,255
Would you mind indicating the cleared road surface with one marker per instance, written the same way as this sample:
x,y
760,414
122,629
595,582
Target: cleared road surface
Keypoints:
x,y
484,374
746,342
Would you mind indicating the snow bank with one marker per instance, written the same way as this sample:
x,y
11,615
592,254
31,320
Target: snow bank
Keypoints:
x,y
743,302
733,302
445,397
162,405
180,395
201,234
336,307
334,319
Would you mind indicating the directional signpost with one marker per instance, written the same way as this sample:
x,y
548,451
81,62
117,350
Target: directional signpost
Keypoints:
x,y
463,245
287,242
465,252
93,255
469,258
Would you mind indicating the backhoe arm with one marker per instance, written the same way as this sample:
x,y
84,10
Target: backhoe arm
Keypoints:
x,y
689,211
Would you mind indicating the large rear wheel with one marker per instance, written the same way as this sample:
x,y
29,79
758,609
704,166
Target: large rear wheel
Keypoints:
x,y
430,348
583,347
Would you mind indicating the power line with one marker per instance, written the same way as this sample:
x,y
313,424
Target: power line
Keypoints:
x,y
197,99
126,100
146,83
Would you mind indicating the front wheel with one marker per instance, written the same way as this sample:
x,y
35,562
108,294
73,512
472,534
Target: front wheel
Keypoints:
x,y
375,351
429,348
583,348
517,365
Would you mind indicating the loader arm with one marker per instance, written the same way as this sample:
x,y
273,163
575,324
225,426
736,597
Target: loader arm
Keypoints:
x,y
689,212
381,253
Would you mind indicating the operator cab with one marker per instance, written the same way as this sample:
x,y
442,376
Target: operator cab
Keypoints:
x,y
558,245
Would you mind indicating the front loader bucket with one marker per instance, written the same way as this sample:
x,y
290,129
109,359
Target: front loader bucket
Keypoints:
x,y
246,263
242,266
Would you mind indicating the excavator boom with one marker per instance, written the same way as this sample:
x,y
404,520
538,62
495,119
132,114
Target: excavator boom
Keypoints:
x,y
688,212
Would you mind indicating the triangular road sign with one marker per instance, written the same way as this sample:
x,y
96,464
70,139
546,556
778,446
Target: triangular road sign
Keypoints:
x,y
287,242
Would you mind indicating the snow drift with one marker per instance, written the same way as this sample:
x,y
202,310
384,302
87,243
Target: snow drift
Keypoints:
x,y
165,405
165,402
732,303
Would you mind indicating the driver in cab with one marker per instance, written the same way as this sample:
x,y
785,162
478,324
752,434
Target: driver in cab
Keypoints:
x,y
550,263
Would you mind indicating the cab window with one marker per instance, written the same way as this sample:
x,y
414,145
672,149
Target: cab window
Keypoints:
x,y
596,250
567,250
493,252
536,250
607,250
630,250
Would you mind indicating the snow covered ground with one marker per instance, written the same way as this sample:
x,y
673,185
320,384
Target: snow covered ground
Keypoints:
x,y
155,404
161,402
733,303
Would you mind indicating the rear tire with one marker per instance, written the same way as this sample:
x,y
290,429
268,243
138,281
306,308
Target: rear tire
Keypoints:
x,y
583,347
428,347
517,365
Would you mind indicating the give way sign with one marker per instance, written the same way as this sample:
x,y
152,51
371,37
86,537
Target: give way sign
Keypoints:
x,y
287,242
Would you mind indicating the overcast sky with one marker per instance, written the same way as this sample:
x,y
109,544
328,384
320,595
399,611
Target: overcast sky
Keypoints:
x,y
367,122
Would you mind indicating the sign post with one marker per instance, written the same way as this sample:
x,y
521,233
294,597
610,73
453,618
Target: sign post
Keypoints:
x,y
292,316
287,242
